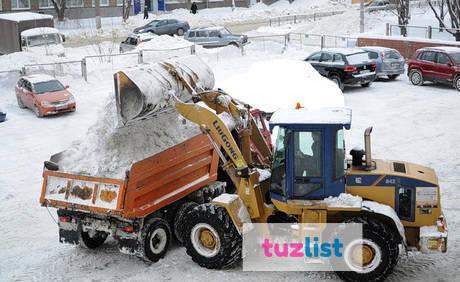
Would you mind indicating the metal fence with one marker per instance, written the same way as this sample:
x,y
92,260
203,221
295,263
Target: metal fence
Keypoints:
x,y
427,32
294,19
101,62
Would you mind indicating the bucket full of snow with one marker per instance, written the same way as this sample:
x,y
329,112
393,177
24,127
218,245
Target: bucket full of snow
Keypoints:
x,y
147,90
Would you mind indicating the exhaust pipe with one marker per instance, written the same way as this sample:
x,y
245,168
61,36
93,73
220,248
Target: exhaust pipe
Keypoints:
x,y
367,147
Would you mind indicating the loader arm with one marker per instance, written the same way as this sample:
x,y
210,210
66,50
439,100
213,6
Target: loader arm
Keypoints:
x,y
218,130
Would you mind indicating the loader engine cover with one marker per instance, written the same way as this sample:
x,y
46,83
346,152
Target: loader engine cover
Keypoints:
x,y
148,90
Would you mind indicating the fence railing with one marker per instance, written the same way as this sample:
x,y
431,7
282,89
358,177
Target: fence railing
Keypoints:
x,y
81,66
294,19
427,32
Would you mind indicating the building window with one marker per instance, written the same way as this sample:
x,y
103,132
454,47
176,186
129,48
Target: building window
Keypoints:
x,y
102,3
20,4
45,4
75,3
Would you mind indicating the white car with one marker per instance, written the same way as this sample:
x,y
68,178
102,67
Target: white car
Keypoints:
x,y
134,40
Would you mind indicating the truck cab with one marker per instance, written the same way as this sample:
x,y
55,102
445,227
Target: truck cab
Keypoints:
x,y
309,155
43,40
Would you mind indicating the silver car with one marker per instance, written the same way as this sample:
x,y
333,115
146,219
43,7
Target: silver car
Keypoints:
x,y
389,61
164,26
215,37
134,40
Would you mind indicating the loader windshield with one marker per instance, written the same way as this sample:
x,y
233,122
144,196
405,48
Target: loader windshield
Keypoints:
x,y
278,177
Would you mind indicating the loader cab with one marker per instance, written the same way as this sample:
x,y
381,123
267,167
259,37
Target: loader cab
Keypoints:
x,y
309,154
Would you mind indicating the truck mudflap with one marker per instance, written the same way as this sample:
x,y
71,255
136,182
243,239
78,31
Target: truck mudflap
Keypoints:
x,y
432,240
82,192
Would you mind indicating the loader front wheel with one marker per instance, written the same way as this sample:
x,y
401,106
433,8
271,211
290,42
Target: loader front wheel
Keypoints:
x,y
92,239
156,237
372,257
212,240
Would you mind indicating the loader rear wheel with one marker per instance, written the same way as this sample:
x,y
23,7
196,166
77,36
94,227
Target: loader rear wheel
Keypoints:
x,y
156,237
373,257
179,222
212,239
92,239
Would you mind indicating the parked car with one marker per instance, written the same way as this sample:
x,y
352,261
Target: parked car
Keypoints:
x,y
344,66
436,64
389,62
165,26
215,37
44,94
134,40
2,115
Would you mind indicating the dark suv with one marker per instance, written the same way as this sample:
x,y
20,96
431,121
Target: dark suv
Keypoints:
x,y
436,64
344,66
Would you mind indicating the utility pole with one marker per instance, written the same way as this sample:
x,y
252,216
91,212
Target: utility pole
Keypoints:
x,y
361,16
97,3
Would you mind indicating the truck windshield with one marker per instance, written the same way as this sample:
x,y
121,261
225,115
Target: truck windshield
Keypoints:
x,y
43,39
456,58
48,86
357,58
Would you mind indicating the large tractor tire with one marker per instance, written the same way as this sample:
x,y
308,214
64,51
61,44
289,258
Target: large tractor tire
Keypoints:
x,y
92,239
155,239
379,249
212,240
179,222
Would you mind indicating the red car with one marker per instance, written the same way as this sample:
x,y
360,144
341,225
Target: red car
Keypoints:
x,y
436,64
44,95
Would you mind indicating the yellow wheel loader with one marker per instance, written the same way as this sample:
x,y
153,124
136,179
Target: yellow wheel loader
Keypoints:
x,y
399,203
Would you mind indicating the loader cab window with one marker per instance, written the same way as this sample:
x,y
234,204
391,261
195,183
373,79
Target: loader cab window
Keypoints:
x,y
339,157
405,203
307,162
278,177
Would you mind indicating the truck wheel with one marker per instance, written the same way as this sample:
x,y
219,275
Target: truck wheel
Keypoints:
x,y
457,82
20,103
179,223
416,77
378,251
156,236
180,31
212,239
337,81
92,239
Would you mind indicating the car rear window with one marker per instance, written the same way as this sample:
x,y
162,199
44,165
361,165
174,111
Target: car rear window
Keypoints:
x,y
456,58
357,58
392,55
191,34
48,86
373,55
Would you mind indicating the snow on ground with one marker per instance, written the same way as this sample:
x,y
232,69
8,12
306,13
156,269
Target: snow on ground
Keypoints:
x,y
411,123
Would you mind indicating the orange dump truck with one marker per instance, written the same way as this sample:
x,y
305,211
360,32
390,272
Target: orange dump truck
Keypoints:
x,y
141,211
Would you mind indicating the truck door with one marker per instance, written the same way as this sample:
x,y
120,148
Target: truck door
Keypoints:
x,y
307,165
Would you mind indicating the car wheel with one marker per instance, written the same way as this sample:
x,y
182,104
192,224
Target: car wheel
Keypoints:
x,y
367,84
393,76
20,103
416,77
457,83
337,81
180,31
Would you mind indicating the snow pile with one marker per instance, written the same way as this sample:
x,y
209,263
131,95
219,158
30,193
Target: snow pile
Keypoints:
x,y
108,151
343,200
280,84
164,42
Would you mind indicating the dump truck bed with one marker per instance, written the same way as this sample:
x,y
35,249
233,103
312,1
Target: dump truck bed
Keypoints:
x,y
151,183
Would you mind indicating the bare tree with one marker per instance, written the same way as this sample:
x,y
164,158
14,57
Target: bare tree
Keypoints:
x,y
126,9
453,7
403,13
59,7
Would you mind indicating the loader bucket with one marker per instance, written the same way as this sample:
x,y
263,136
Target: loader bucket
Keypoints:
x,y
147,90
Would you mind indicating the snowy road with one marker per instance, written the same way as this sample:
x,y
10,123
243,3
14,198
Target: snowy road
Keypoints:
x,y
418,124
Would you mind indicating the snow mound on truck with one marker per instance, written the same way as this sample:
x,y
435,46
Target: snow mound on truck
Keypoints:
x,y
109,150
